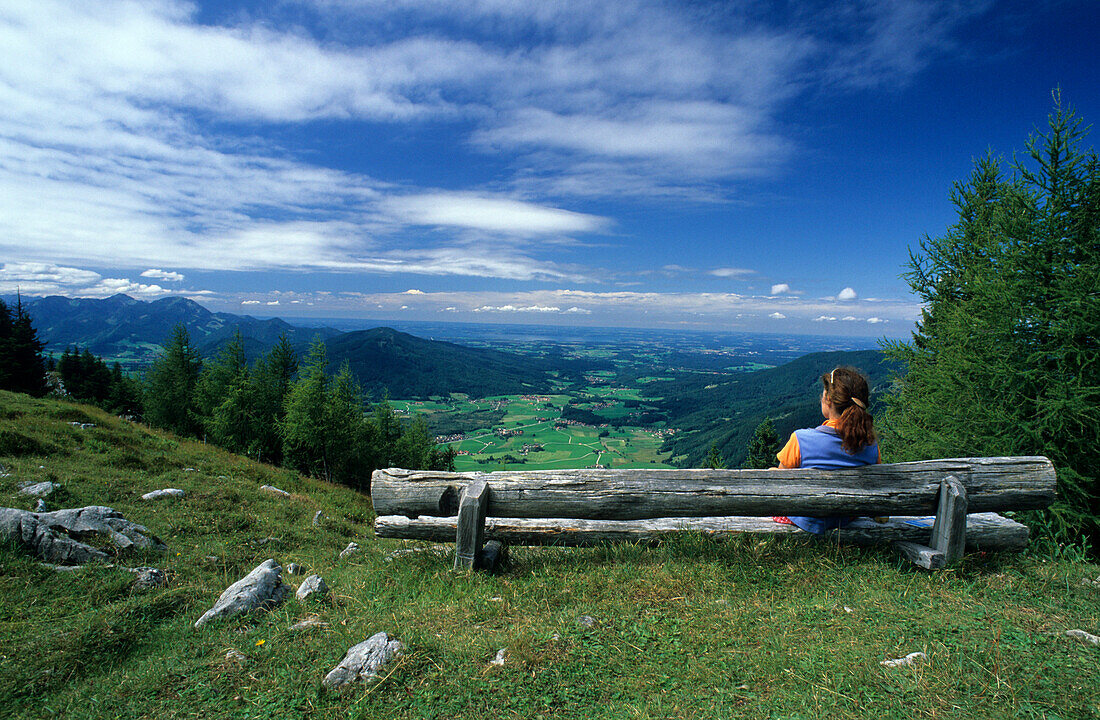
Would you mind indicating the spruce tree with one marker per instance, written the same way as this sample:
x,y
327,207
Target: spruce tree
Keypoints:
x,y
169,388
762,447
1005,359
715,461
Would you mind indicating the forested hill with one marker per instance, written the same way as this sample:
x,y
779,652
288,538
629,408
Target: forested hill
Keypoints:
x,y
409,366
121,327
725,410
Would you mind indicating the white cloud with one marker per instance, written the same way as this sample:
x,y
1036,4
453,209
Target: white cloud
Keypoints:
x,y
846,294
849,318
780,288
413,291
250,302
163,275
50,279
494,214
272,302
875,320
730,272
579,311
825,318
778,316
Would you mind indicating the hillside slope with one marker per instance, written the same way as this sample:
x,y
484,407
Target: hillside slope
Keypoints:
x,y
408,366
685,630
120,327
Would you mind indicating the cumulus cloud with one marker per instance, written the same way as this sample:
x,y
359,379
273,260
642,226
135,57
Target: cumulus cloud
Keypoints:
x,y
163,275
875,320
50,279
824,318
413,291
846,294
250,302
778,316
780,288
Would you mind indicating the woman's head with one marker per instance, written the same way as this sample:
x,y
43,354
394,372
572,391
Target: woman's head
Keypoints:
x,y
847,394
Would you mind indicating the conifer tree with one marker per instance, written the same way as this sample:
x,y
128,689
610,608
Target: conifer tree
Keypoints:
x,y
169,388
1006,356
762,447
22,368
715,461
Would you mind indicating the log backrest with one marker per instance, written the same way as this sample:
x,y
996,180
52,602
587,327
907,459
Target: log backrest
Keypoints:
x,y
991,484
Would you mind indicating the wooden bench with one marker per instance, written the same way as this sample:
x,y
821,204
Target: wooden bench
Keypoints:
x,y
577,507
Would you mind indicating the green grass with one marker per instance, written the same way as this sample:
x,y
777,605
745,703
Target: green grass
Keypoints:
x,y
689,629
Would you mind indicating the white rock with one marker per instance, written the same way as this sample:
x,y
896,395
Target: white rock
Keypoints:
x,y
235,656
40,506
39,489
363,661
262,588
351,549
294,569
1085,636
317,518
1091,583
312,587
165,493
57,537
274,490
501,658
586,621
148,578
902,662
310,622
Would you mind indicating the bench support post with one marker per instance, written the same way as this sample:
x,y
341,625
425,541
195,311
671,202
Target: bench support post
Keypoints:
x,y
470,536
948,533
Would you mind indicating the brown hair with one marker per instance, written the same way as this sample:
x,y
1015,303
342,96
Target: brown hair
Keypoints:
x,y
846,390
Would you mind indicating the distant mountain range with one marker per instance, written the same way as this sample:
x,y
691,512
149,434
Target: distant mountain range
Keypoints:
x,y
132,332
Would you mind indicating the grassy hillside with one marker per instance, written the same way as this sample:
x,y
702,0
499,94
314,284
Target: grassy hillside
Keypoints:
x,y
690,629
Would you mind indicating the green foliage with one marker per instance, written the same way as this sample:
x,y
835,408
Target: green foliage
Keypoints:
x,y
21,365
715,460
169,392
87,378
762,447
1006,356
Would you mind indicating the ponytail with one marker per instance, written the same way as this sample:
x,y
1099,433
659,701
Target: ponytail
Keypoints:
x,y
846,390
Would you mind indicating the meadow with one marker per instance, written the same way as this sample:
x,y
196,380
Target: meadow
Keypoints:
x,y
691,628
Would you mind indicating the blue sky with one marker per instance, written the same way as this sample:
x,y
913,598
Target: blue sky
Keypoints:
x,y
721,165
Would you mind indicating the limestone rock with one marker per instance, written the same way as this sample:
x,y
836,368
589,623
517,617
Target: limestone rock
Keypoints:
x,y
501,658
317,518
309,622
165,493
148,578
274,490
40,506
351,549
39,489
260,589
364,661
56,537
1085,636
312,587
294,569
909,659
586,621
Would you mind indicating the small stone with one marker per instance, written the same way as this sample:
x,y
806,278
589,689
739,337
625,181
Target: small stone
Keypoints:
x,y
847,609
317,518
351,549
165,493
269,541
235,656
1085,636
222,477
312,587
502,656
39,489
190,470
364,661
1091,583
586,621
274,490
909,659
555,637
148,578
210,558
40,506
309,622
721,601
261,589
294,569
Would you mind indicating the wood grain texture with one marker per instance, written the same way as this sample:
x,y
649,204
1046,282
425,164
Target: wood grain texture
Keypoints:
x,y
949,532
470,525
992,484
922,555
984,531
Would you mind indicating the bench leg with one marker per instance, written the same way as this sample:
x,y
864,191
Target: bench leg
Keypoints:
x,y
948,533
470,535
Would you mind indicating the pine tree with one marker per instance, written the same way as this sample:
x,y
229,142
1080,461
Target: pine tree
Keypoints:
x,y
169,388
303,429
271,379
1006,357
22,368
715,461
762,447
226,373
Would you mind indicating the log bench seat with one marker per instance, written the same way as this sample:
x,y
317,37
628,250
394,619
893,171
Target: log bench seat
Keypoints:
x,y
938,508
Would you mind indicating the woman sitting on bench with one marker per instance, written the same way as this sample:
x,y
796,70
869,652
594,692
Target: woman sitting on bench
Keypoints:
x,y
845,439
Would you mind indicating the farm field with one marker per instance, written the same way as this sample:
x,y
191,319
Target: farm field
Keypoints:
x,y
530,432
